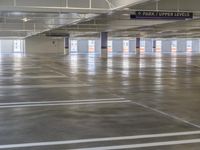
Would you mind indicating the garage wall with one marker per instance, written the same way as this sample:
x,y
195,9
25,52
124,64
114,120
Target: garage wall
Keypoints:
x,y
44,45
6,46
117,45
181,45
132,46
82,45
9,46
166,45
148,45
196,45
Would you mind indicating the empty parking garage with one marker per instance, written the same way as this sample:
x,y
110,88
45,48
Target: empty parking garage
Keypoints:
x,y
99,75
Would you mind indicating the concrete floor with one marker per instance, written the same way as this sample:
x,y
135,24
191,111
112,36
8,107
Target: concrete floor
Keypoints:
x,y
88,103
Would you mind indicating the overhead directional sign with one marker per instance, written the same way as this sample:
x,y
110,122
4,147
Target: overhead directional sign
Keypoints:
x,y
162,15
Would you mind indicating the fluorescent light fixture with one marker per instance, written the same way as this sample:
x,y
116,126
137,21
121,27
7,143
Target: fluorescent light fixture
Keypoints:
x,y
127,8
126,14
25,19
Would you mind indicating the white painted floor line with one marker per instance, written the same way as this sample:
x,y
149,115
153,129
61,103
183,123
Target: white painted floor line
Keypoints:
x,y
64,104
44,86
59,73
32,77
62,101
168,115
54,70
195,66
18,68
145,145
55,143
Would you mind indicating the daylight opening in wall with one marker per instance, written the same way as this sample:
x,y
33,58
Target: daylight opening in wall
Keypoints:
x,y
110,48
12,46
174,47
189,46
142,46
74,46
125,47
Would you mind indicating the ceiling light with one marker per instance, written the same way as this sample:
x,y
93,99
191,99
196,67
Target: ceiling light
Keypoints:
x,y
126,8
126,14
25,19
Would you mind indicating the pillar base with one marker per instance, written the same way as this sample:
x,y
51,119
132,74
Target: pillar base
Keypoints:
x,y
137,50
104,53
66,51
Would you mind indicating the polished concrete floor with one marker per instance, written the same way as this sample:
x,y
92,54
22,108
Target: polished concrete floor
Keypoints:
x,y
89,103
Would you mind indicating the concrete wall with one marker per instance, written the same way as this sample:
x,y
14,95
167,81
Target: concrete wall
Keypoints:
x,y
7,46
82,45
44,45
195,45
181,45
132,46
117,46
166,45
148,45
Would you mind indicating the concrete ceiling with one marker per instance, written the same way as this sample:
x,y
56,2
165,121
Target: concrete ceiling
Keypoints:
x,y
23,18
118,22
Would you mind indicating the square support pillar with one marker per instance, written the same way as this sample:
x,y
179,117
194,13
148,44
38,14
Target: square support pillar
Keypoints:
x,y
66,50
138,45
104,44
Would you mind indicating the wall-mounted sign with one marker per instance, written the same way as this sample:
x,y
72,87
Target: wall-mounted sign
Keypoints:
x,y
162,15
91,46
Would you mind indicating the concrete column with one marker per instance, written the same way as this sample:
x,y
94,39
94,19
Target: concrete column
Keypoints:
x,y
154,45
104,44
66,51
138,45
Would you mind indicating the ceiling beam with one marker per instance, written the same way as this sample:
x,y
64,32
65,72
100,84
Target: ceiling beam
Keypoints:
x,y
53,9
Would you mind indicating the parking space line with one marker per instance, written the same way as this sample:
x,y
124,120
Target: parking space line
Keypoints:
x,y
62,101
145,145
167,115
196,66
33,77
44,86
54,70
56,143
13,67
59,73
64,104
6,68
